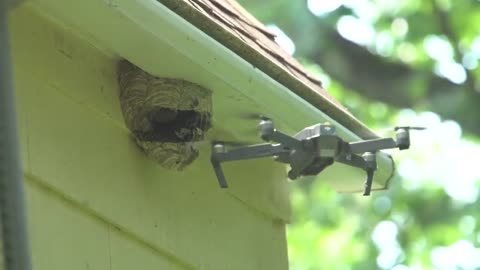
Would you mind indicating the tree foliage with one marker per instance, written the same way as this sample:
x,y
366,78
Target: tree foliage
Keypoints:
x,y
392,63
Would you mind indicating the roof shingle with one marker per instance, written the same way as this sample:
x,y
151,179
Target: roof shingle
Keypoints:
x,y
230,24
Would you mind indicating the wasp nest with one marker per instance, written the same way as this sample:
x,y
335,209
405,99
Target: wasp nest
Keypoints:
x,y
165,115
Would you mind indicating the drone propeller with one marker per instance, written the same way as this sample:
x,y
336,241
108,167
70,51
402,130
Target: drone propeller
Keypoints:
x,y
254,116
223,142
384,131
409,128
230,143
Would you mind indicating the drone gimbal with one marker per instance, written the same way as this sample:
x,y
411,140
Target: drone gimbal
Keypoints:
x,y
311,150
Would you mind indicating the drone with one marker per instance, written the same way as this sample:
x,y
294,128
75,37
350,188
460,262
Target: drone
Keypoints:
x,y
311,150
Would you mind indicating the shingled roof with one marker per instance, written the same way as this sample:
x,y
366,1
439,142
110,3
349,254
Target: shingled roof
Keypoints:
x,y
230,24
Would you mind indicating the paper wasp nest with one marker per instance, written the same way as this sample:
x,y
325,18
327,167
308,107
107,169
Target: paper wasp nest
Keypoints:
x,y
165,115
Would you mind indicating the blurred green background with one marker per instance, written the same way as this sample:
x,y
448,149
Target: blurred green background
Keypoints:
x,y
391,62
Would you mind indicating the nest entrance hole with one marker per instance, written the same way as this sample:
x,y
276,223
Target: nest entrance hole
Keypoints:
x,y
175,126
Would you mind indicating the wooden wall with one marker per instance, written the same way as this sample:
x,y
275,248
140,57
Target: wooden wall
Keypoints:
x,y
96,202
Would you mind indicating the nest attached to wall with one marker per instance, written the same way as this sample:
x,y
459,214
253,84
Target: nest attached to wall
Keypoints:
x,y
166,116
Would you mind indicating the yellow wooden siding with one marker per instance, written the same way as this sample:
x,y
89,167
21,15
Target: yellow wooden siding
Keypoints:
x,y
72,57
95,201
66,236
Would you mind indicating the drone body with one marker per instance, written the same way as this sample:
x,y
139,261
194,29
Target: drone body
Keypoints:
x,y
311,150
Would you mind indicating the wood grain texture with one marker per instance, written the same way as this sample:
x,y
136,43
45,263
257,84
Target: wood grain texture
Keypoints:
x,y
71,238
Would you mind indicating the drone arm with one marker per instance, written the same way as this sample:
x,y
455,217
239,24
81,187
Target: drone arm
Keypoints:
x,y
269,133
282,138
249,152
372,145
256,151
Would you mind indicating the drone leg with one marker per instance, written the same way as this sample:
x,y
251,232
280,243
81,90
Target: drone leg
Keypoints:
x,y
370,167
219,173
368,182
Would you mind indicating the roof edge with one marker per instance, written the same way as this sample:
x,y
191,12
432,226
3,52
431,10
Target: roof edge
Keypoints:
x,y
217,32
